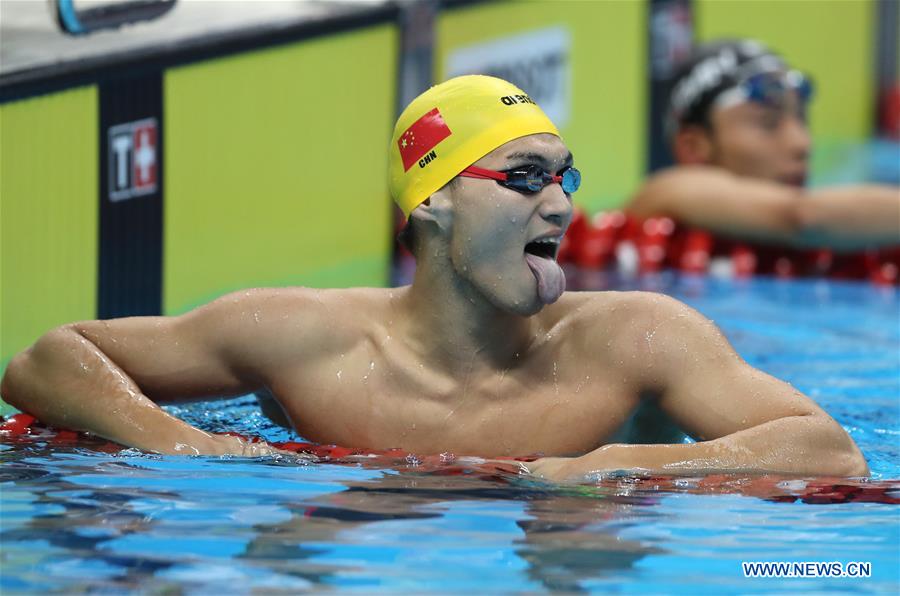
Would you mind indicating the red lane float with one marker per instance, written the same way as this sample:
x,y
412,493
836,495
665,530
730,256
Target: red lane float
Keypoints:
x,y
612,239
771,488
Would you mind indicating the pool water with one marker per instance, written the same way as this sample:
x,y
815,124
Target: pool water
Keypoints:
x,y
78,519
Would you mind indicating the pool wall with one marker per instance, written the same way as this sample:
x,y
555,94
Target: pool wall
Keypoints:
x,y
48,215
277,178
264,169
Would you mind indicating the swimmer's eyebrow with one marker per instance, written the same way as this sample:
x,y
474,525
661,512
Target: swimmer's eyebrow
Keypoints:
x,y
540,159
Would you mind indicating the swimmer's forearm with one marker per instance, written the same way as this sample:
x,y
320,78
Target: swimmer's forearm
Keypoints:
x,y
851,217
66,381
796,445
845,218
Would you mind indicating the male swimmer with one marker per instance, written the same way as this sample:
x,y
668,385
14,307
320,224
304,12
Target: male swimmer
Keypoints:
x,y
737,128
484,354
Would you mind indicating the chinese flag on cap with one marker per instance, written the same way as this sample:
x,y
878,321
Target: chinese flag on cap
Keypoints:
x,y
420,138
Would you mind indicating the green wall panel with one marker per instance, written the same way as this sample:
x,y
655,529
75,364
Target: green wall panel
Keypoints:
x,y
605,128
48,215
276,168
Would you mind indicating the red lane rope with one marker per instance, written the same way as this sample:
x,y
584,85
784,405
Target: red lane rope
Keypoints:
x,y
606,240
771,488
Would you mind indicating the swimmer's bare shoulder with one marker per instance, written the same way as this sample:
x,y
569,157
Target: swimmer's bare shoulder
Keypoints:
x,y
303,328
740,415
106,377
292,326
272,333
652,340
616,325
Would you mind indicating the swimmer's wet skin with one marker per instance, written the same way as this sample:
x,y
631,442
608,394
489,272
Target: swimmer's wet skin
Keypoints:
x,y
483,355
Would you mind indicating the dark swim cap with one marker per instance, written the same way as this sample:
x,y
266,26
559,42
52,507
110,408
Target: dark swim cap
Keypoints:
x,y
711,69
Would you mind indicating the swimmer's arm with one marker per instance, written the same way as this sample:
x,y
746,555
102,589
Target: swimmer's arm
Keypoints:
x,y
843,218
802,445
745,421
106,377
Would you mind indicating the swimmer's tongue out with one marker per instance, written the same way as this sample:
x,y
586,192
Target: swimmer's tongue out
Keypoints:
x,y
551,281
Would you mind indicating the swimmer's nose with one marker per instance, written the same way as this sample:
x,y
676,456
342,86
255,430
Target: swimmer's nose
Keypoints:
x,y
556,207
795,135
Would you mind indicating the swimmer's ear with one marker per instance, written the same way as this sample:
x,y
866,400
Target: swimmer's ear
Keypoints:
x,y
692,145
436,209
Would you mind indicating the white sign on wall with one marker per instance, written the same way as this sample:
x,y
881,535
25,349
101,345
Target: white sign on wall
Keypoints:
x,y
133,159
538,62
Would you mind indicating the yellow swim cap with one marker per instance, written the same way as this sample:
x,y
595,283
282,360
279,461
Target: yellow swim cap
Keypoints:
x,y
453,125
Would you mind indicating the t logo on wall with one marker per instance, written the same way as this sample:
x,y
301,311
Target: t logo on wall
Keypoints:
x,y
537,62
132,159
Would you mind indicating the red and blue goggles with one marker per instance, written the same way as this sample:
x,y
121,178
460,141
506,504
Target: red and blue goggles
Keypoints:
x,y
528,179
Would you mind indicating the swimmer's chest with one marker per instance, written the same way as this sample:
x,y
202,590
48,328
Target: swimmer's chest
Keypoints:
x,y
539,407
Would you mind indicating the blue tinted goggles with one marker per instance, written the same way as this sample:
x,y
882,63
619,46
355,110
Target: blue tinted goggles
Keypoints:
x,y
769,88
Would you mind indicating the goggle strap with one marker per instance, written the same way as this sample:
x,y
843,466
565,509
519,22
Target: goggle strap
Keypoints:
x,y
476,172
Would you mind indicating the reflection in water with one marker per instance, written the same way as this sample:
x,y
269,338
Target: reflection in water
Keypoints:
x,y
79,520
566,542
562,539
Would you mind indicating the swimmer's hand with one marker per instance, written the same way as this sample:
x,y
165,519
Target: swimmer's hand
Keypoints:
x,y
603,462
556,469
232,445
